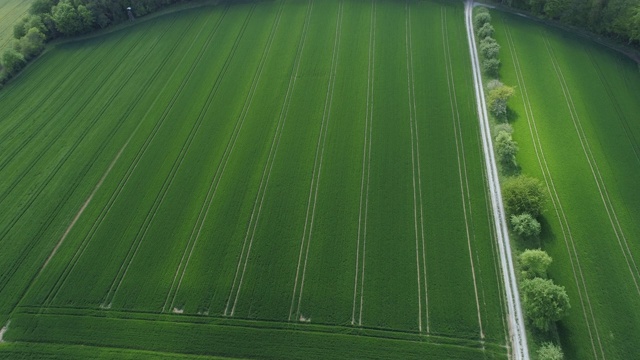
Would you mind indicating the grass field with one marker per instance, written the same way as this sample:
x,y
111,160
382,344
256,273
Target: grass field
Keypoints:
x,y
275,179
11,11
576,121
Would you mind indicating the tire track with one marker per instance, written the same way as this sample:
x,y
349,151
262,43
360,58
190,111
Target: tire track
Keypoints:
x,y
366,166
243,115
204,209
462,166
595,171
6,275
151,214
557,204
104,212
317,167
415,158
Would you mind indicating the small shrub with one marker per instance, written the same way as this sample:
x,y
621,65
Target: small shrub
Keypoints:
x,y
534,263
549,351
523,194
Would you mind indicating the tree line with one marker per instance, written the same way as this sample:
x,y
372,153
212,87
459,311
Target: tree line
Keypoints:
x,y
50,19
616,19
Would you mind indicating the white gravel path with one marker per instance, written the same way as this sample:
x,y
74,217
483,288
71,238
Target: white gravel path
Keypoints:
x,y
517,334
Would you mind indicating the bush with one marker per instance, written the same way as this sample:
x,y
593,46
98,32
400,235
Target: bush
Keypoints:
x,y
523,194
481,18
494,84
525,226
491,67
486,31
534,263
549,351
507,149
489,48
544,302
498,98
506,127
12,61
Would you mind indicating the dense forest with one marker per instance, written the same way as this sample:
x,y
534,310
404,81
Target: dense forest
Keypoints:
x,y
616,19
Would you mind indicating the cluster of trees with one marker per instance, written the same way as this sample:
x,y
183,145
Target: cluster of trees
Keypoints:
x,y
50,19
617,19
489,48
524,198
544,302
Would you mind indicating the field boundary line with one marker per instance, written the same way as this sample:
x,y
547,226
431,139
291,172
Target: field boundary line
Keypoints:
x,y
317,169
204,209
89,237
462,167
548,178
153,211
415,158
595,170
517,331
366,166
6,276
266,174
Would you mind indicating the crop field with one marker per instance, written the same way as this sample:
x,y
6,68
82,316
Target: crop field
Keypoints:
x,y
578,129
277,179
11,11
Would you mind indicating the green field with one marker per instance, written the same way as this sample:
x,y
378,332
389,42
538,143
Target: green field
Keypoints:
x,y
576,121
11,11
281,179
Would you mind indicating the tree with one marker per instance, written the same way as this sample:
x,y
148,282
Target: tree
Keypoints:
x,y
489,48
544,302
549,351
491,66
505,127
69,20
12,61
534,263
507,149
498,98
486,31
481,18
41,6
32,43
525,226
523,194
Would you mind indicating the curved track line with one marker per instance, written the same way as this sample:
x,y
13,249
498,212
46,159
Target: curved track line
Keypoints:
x,y
555,199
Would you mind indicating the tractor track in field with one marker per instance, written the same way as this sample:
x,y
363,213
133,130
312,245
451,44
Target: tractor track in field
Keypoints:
x,y
555,199
29,91
366,166
248,241
415,158
518,335
595,170
153,211
462,162
18,149
317,166
612,98
215,181
7,275
104,212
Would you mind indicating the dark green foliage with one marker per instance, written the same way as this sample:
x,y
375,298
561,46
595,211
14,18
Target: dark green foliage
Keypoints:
x,y
549,351
491,66
70,20
480,19
534,263
525,226
544,302
12,61
523,194
31,44
507,149
489,48
41,6
485,31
